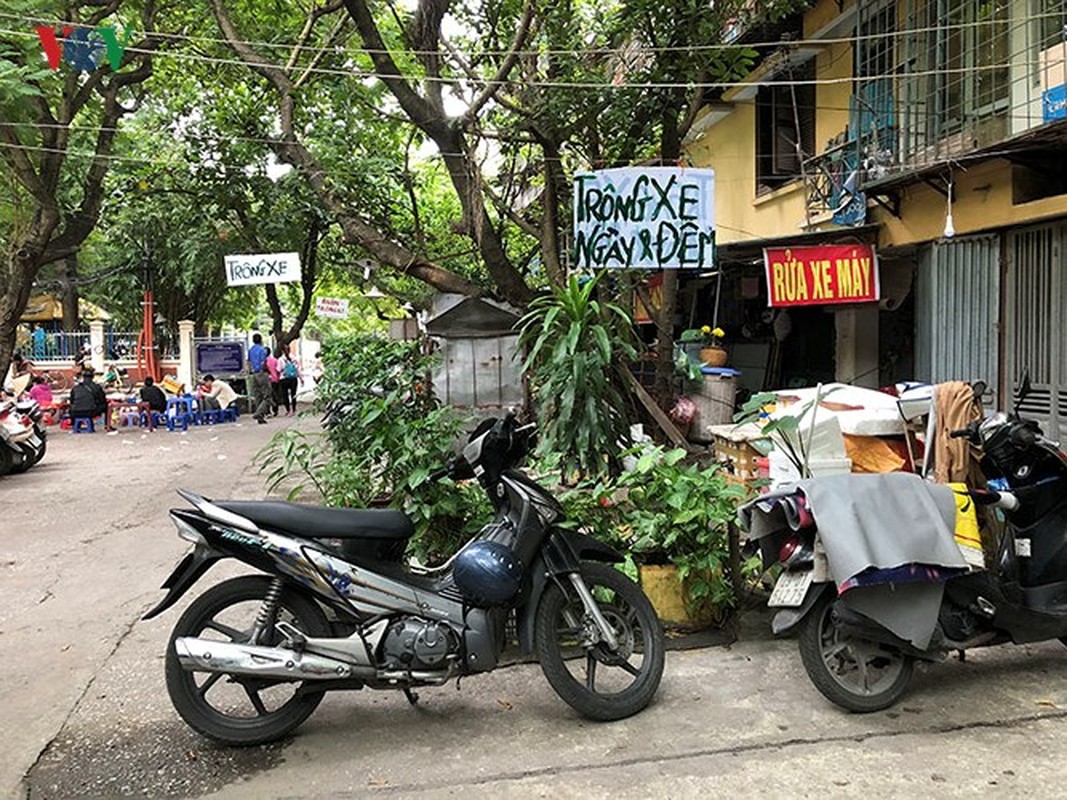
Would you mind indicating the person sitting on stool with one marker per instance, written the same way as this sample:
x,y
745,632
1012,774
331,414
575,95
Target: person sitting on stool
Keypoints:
x,y
215,394
153,395
87,399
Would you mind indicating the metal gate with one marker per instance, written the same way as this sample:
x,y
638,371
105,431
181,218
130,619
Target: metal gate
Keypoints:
x,y
957,311
1037,303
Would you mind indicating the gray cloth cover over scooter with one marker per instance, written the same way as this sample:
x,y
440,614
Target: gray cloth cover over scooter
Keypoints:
x,y
883,521
880,521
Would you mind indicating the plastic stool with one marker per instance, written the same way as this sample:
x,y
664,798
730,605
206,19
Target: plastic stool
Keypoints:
x,y
83,425
229,414
178,421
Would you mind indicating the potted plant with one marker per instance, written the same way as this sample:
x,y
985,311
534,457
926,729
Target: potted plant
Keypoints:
x,y
709,340
679,514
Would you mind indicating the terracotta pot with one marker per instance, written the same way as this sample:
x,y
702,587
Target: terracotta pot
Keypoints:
x,y
713,356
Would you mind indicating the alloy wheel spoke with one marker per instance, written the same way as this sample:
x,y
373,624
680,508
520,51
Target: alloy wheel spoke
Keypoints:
x,y
626,665
830,654
203,690
257,701
864,672
225,630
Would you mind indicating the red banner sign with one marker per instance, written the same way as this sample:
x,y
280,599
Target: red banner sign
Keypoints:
x,y
821,275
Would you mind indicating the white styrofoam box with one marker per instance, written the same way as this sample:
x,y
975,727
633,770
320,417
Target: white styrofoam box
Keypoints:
x,y
877,413
822,441
783,471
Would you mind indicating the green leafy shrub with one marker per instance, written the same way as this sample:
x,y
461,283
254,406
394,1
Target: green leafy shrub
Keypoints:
x,y
574,342
383,449
679,513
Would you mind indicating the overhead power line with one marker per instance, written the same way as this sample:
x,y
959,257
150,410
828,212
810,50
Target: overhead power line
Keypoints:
x,y
626,50
906,166
593,85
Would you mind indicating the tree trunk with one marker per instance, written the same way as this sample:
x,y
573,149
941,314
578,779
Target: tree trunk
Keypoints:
x,y
22,268
670,152
68,292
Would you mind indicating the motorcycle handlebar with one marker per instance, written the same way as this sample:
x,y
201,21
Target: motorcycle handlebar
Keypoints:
x,y
438,474
970,432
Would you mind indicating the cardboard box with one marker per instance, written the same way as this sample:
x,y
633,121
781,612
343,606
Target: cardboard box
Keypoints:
x,y
734,451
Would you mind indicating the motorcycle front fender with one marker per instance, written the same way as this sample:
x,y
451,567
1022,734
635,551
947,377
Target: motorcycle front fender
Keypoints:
x,y
561,553
787,619
189,570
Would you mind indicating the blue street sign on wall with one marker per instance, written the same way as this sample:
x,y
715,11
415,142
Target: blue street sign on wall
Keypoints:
x,y
1054,103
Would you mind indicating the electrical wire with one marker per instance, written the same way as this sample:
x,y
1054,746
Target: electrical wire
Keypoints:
x,y
596,85
908,166
628,50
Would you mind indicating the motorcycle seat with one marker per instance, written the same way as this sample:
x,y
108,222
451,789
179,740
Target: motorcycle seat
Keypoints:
x,y
323,523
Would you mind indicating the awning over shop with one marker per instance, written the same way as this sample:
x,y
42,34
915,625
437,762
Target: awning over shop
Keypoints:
x,y
750,251
49,308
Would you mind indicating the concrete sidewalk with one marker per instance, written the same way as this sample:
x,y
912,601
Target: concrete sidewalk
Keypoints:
x,y
84,709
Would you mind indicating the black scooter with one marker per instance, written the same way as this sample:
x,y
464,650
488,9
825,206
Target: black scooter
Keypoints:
x,y
859,664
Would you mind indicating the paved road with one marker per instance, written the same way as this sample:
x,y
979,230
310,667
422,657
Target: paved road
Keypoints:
x,y
84,710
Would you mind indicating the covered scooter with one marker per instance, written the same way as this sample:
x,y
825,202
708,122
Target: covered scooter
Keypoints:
x,y
873,579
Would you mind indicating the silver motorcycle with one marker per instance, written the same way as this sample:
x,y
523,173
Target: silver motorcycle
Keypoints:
x,y
337,607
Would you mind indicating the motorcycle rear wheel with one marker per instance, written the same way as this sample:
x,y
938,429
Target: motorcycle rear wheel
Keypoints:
x,y
597,683
856,674
241,710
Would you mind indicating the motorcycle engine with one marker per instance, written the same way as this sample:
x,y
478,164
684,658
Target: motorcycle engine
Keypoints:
x,y
413,643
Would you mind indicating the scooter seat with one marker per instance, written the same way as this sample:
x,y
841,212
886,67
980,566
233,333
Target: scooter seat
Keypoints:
x,y
316,522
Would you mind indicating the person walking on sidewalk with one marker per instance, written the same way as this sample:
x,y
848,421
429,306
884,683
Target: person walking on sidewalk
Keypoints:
x,y
261,388
290,375
275,380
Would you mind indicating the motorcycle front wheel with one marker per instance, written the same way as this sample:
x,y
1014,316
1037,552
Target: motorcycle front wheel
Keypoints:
x,y
235,709
856,674
597,682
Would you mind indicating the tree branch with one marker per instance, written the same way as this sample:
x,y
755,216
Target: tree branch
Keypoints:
x,y
494,84
269,70
416,107
21,166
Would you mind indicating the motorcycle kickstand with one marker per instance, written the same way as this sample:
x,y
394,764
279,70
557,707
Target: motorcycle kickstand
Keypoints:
x,y
413,697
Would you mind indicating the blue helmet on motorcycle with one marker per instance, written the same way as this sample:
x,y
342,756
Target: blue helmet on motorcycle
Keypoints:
x,y
487,573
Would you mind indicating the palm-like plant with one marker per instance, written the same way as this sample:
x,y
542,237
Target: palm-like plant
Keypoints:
x,y
574,342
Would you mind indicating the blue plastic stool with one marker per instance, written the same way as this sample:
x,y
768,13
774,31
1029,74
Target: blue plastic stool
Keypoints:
x,y
230,414
211,416
178,421
82,425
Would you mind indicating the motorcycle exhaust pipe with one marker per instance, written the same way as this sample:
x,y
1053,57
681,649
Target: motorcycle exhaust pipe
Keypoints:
x,y
263,662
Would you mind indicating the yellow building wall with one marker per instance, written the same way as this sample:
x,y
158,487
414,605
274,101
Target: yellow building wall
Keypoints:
x,y
729,147
982,202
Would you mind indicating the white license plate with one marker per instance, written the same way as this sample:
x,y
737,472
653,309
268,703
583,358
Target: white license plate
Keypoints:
x,y
791,589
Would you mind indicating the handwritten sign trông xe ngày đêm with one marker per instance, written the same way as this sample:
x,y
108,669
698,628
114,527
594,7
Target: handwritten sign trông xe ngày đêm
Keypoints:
x,y
644,218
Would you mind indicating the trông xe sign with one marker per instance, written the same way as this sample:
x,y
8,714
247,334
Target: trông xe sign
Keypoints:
x,y
645,217
242,270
